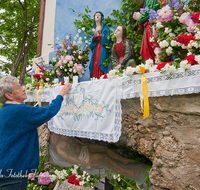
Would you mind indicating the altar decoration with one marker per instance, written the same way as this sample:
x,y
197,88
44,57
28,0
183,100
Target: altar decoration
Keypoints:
x,y
92,109
177,31
70,61
72,58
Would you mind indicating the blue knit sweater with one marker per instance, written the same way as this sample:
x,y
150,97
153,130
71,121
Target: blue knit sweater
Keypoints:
x,y
19,145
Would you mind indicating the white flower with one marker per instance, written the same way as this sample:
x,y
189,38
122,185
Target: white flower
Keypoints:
x,y
71,63
54,59
53,178
79,30
157,60
167,30
194,44
174,43
67,37
85,37
163,44
112,73
80,75
152,39
83,28
57,38
47,79
183,46
86,41
153,68
65,61
129,71
74,42
138,69
80,42
80,38
74,71
169,68
169,51
159,25
79,57
81,183
77,35
75,38
65,70
197,58
70,70
184,64
172,35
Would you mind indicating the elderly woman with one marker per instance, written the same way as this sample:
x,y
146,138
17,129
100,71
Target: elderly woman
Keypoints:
x,y
122,54
19,152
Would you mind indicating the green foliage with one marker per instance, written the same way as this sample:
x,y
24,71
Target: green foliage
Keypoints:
x,y
119,17
18,32
121,182
1,105
194,5
147,180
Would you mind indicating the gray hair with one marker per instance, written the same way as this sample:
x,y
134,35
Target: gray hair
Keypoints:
x,y
6,86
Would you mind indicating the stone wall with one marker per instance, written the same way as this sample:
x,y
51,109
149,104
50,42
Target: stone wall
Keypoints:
x,y
169,137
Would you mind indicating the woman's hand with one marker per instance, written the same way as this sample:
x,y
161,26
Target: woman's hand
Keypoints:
x,y
65,89
95,32
136,16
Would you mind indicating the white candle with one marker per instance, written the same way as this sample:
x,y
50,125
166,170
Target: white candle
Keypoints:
x,y
66,79
75,79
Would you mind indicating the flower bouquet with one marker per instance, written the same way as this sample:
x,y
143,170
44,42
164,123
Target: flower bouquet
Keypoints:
x,y
71,58
176,29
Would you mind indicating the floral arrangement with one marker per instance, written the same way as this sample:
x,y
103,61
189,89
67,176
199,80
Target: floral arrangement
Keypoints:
x,y
71,59
55,174
176,29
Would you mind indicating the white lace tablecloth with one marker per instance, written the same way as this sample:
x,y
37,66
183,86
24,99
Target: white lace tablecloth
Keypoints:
x,y
92,109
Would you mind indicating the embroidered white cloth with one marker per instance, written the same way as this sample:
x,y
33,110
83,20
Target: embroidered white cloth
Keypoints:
x,y
93,110
90,110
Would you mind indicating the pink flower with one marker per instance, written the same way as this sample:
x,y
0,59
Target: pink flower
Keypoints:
x,y
44,178
79,68
165,14
69,58
190,24
60,63
184,18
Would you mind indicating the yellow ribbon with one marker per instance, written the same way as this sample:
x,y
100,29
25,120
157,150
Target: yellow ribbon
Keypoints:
x,y
38,93
145,93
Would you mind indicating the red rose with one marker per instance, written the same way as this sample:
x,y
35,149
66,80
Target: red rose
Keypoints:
x,y
51,84
37,76
76,182
105,76
132,66
191,59
71,178
185,39
161,65
62,83
195,17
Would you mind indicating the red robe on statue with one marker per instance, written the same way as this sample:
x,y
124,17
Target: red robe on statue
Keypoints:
x,y
147,47
120,51
97,72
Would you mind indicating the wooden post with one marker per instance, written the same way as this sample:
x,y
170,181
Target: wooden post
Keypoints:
x,y
40,28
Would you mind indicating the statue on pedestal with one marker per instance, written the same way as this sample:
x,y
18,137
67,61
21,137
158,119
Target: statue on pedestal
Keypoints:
x,y
100,41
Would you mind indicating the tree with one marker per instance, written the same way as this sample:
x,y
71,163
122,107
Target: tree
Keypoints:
x,y
19,20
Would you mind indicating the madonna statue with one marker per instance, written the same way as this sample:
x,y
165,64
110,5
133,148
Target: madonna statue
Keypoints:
x,y
99,42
